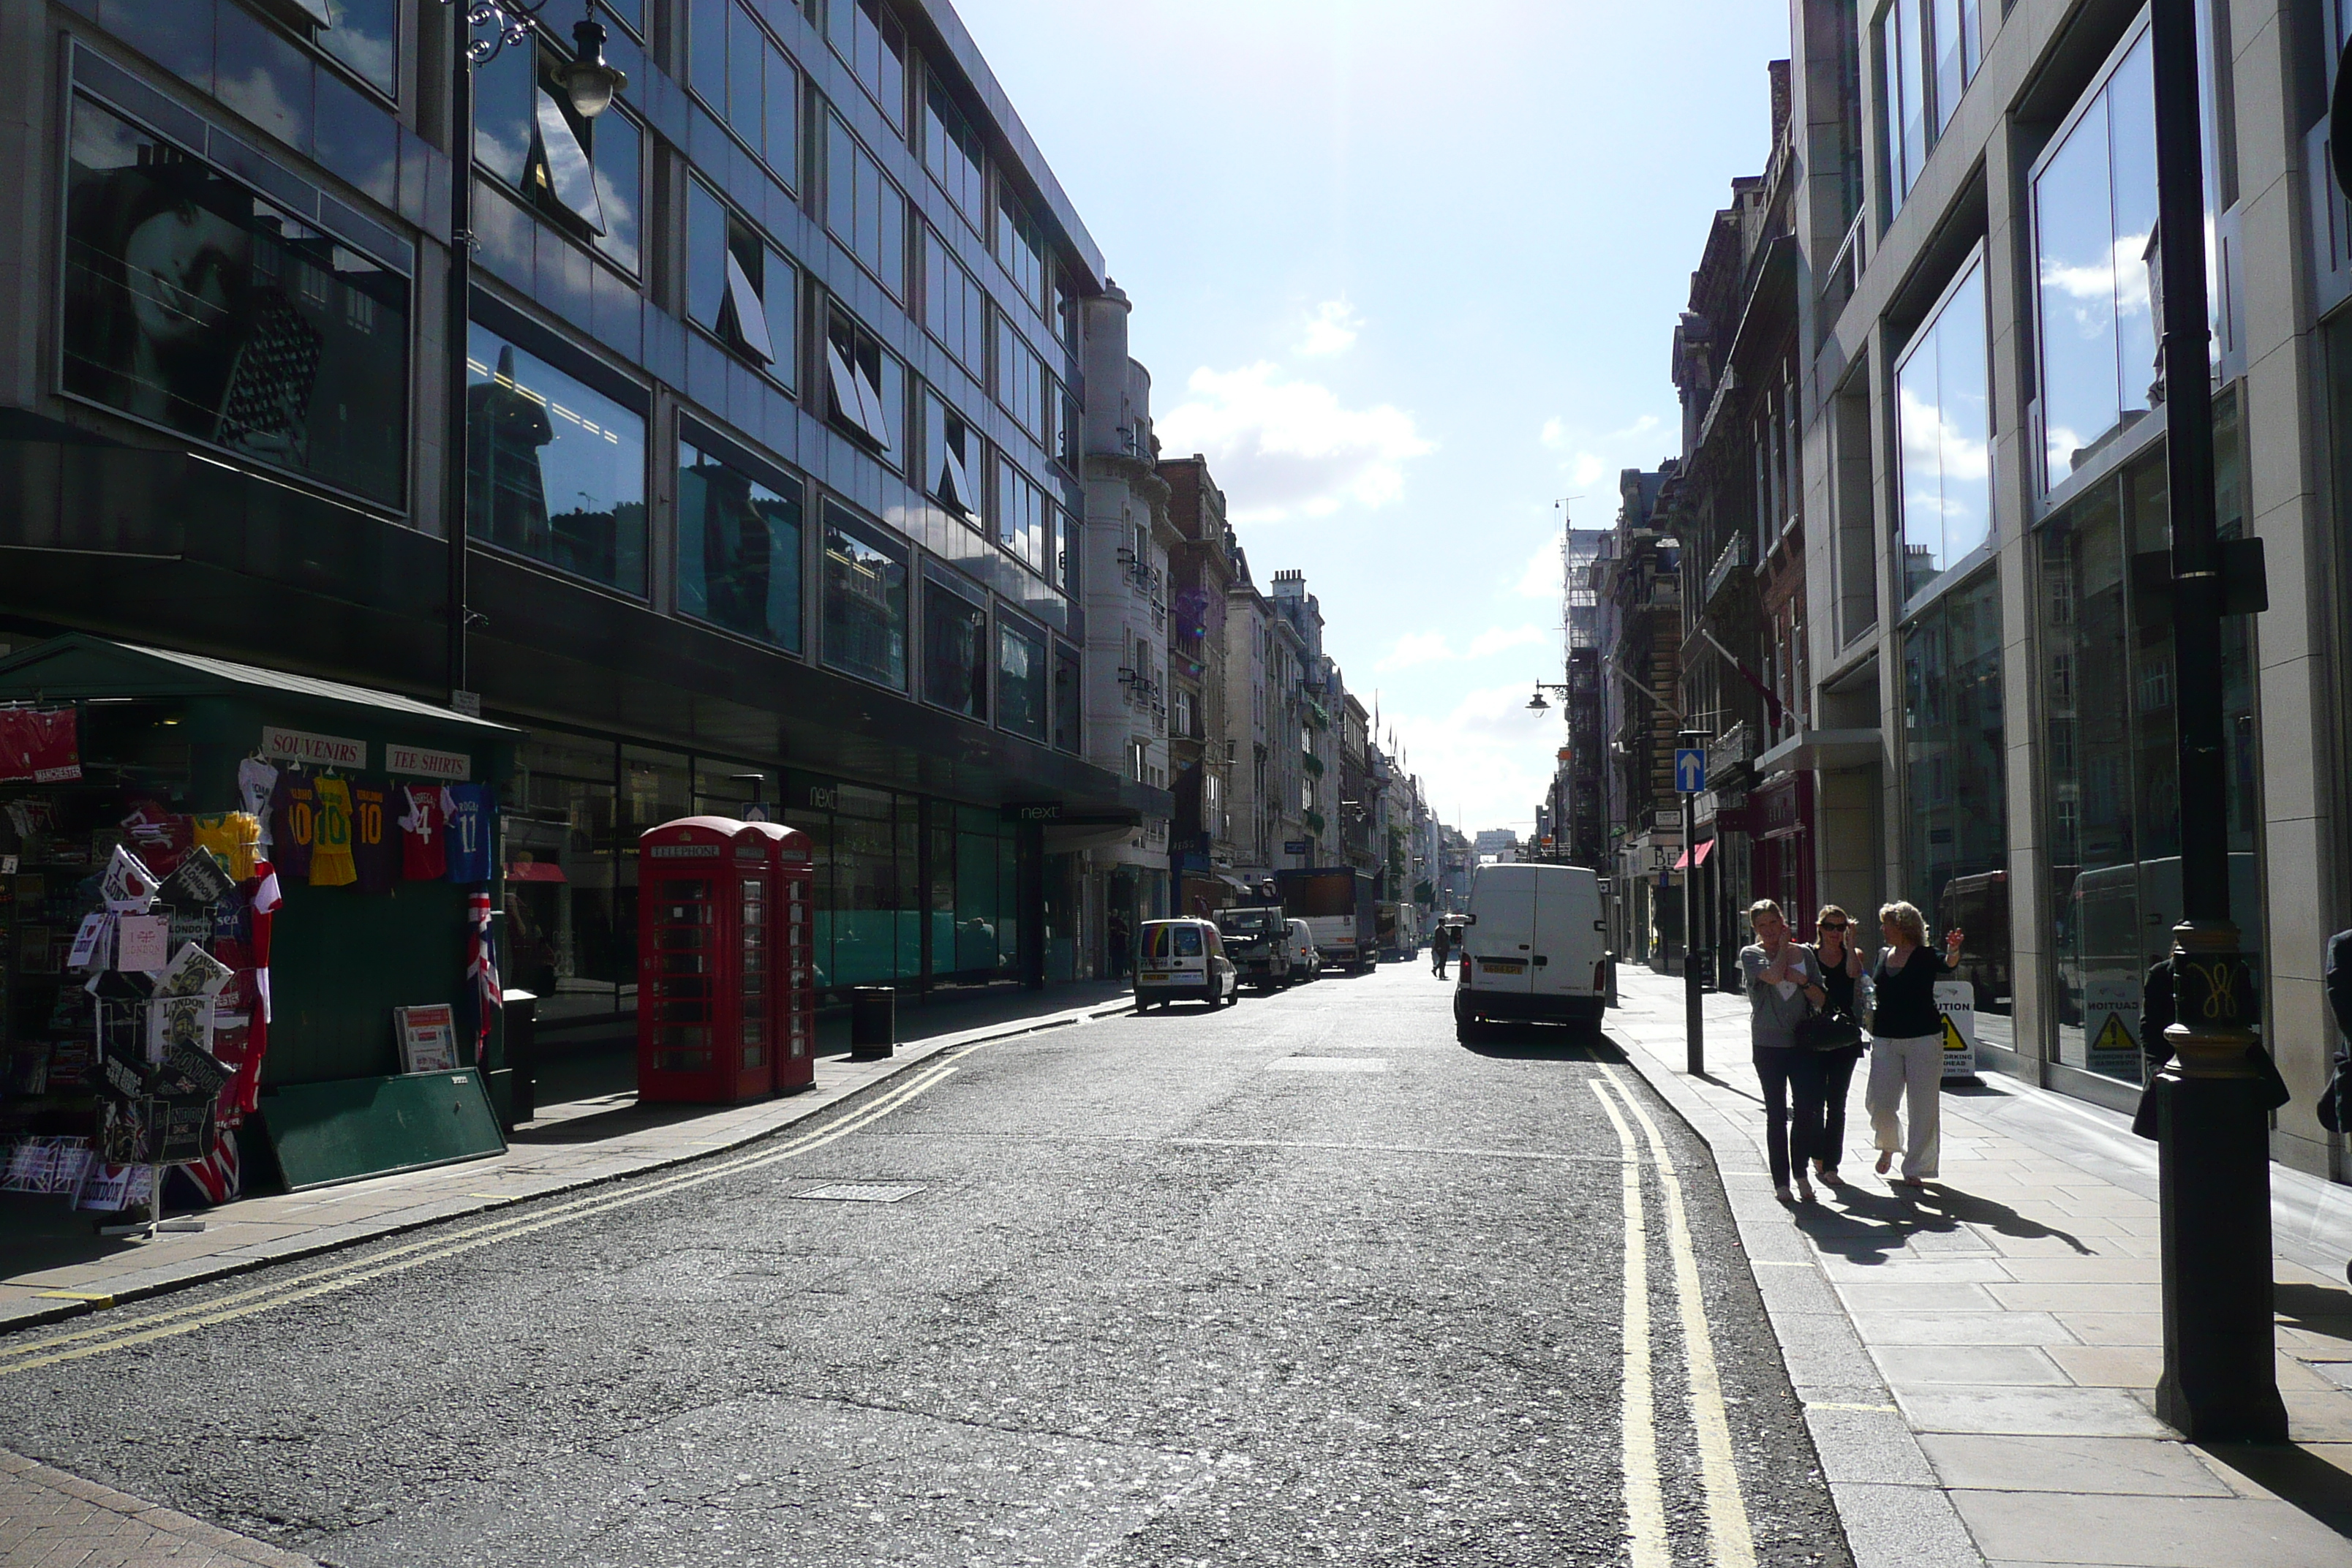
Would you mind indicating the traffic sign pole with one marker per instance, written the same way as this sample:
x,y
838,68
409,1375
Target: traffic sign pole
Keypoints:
x,y
1690,777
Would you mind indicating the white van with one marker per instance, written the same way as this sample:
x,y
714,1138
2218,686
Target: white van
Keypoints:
x,y
1183,959
1535,945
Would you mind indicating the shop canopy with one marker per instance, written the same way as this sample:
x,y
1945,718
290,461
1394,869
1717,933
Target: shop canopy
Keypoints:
x,y
1686,861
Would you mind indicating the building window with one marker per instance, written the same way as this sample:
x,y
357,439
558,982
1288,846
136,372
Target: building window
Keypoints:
x,y
865,603
1021,680
364,35
737,286
1955,767
1021,248
955,309
191,303
586,176
748,81
952,449
1944,419
862,209
1927,54
538,439
2093,211
1021,518
739,547
1068,696
865,34
955,646
951,152
1138,762
864,383
1019,380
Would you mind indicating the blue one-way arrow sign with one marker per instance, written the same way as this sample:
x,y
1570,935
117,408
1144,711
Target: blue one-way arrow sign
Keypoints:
x,y
1690,769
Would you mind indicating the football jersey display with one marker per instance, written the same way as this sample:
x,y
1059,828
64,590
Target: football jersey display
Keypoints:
x,y
469,832
375,834
423,847
233,838
331,836
257,782
293,813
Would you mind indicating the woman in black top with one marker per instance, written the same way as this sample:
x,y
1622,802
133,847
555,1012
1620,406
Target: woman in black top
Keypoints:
x,y
1842,978
1906,1060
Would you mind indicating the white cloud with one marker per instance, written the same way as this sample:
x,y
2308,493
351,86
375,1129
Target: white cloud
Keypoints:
x,y
1415,651
1545,575
1497,640
1588,458
1332,328
1488,761
1288,448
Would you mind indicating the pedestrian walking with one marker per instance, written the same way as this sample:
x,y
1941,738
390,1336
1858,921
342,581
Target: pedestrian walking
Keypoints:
x,y
1441,947
1907,1058
1783,984
1847,985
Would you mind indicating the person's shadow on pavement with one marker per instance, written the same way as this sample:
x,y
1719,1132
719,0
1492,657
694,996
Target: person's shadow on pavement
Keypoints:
x,y
1866,1226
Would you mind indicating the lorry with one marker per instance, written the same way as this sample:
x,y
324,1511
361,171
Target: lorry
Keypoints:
x,y
1336,902
1397,929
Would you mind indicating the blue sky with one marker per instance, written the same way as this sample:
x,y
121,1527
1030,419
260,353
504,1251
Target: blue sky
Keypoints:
x,y
1407,273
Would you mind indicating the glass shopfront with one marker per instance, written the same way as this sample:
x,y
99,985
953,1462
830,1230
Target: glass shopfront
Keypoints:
x,y
2111,773
1957,802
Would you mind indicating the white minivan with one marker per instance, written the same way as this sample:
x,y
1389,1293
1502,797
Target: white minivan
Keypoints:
x,y
1535,946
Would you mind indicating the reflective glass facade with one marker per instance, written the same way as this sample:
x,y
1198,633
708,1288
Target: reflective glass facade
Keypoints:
x,y
1943,415
556,469
1955,795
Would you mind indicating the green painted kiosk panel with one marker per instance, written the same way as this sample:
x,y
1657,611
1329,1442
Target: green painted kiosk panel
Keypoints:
x,y
348,1128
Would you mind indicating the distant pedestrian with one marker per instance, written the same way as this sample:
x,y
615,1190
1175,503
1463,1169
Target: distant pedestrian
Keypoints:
x,y
1117,944
1782,980
1848,986
1907,1058
1441,947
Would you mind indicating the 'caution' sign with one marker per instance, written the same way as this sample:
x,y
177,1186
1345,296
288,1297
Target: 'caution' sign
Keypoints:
x,y
2110,1022
1956,1001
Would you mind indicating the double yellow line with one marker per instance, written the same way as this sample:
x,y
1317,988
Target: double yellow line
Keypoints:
x,y
119,1332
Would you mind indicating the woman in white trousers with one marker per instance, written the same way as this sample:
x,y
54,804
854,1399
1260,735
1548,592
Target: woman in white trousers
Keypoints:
x,y
1906,1052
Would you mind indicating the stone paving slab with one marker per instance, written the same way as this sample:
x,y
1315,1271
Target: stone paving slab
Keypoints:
x,y
2002,1410
254,1233
52,1519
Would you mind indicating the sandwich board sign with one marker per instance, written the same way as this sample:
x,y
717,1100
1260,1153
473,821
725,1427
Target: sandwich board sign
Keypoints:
x,y
1956,1000
2111,1026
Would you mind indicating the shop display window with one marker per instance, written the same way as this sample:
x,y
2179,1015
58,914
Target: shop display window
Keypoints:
x,y
1956,802
193,304
566,941
2111,762
1943,415
865,603
555,468
738,548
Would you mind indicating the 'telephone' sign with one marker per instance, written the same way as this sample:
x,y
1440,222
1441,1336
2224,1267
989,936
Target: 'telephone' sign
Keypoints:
x,y
282,745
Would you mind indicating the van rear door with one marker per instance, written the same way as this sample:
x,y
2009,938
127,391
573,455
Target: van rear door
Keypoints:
x,y
1501,935
1568,944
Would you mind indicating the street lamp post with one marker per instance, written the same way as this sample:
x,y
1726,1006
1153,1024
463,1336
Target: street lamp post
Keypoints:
x,y
590,84
2220,1383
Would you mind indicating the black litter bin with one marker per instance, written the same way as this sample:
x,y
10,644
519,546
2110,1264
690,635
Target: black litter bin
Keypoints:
x,y
873,1022
519,1010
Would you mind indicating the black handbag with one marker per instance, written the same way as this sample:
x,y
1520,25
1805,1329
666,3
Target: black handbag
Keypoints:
x,y
1827,1028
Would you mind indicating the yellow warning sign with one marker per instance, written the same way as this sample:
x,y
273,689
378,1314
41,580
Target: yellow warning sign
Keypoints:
x,y
1953,1039
2115,1037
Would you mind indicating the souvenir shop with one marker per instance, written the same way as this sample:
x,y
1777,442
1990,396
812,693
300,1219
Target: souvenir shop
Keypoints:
x,y
248,931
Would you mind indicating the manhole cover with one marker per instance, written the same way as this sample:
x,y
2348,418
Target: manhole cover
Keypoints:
x,y
863,1192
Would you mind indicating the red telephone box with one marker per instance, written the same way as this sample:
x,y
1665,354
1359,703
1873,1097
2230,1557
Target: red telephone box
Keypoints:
x,y
707,981
795,1012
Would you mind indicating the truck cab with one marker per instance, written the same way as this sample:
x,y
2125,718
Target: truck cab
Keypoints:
x,y
1258,938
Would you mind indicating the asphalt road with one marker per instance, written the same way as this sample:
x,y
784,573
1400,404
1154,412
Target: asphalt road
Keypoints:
x,y
1299,1281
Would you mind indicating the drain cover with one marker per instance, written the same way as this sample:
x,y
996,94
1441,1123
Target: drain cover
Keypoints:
x,y
863,1192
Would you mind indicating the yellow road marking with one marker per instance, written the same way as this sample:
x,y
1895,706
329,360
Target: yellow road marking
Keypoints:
x,y
95,1298
143,1329
1727,1508
1646,1514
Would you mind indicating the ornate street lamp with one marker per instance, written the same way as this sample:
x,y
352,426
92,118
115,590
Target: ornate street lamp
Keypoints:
x,y
483,30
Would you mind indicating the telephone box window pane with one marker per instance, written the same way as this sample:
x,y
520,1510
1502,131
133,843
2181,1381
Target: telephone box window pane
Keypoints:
x,y
191,303
556,471
865,605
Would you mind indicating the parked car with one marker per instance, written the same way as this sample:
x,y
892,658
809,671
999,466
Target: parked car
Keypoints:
x,y
1183,961
1299,952
1535,947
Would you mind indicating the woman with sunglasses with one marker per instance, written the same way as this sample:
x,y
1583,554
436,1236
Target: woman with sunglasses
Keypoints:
x,y
1845,983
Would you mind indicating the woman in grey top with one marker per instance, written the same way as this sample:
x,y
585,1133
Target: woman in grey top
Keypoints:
x,y
1784,981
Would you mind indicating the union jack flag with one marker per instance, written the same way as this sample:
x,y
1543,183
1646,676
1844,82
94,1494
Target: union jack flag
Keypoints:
x,y
216,1176
481,966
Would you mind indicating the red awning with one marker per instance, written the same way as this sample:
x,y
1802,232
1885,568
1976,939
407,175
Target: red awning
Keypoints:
x,y
536,871
1684,864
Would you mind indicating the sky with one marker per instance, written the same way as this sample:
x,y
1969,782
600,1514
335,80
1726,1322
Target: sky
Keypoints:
x,y
1408,275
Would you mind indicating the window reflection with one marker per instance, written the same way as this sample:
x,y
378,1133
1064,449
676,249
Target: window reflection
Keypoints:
x,y
1021,680
1944,419
955,650
191,303
2094,210
364,35
1956,798
739,549
556,471
865,604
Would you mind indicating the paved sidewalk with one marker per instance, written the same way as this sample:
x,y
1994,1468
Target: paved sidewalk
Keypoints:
x,y
1979,1361
51,1520
71,1271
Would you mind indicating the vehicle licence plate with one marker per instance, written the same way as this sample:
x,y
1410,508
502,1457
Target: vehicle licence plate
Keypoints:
x,y
1502,966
